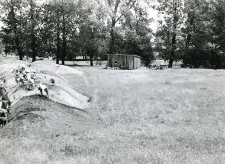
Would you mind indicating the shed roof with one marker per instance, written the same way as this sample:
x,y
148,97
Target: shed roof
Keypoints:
x,y
123,55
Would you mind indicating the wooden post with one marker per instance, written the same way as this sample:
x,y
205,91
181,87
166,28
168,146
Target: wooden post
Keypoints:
x,y
113,60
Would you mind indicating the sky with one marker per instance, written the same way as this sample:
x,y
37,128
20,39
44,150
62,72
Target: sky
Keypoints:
x,y
154,15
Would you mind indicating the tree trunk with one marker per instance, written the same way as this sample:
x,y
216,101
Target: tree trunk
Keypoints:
x,y
18,48
191,18
188,41
175,19
33,48
58,39
91,59
172,54
64,40
17,42
112,37
112,32
33,38
171,60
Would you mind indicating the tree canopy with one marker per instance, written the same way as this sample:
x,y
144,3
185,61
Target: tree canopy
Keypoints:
x,y
191,31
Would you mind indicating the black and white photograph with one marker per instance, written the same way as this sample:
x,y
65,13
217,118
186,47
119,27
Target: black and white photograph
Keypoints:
x,y
112,81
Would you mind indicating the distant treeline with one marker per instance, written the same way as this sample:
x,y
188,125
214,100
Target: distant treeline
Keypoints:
x,y
191,31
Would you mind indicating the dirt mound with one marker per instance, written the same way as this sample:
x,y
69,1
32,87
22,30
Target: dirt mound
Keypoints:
x,y
62,91
40,131
34,114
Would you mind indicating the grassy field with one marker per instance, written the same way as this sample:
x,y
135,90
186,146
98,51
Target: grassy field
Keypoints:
x,y
140,116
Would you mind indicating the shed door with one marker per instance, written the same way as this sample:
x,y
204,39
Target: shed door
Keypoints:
x,y
131,63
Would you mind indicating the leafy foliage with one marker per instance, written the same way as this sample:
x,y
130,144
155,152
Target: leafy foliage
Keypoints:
x,y
199,34
192,31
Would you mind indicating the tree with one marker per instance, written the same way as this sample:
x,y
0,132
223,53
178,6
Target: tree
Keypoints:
x,y
59,20
92,30
117,9
201,48
32,30
58,35
170,29
218,24
47,32
137,33
10,31
51,29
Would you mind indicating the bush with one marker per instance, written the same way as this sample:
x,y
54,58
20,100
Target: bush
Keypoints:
x,y
206,59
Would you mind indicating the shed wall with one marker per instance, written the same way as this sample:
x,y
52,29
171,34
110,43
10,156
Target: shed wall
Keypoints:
x,y
124,61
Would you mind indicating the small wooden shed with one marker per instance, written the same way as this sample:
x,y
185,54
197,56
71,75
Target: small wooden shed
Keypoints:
x,y
124,61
